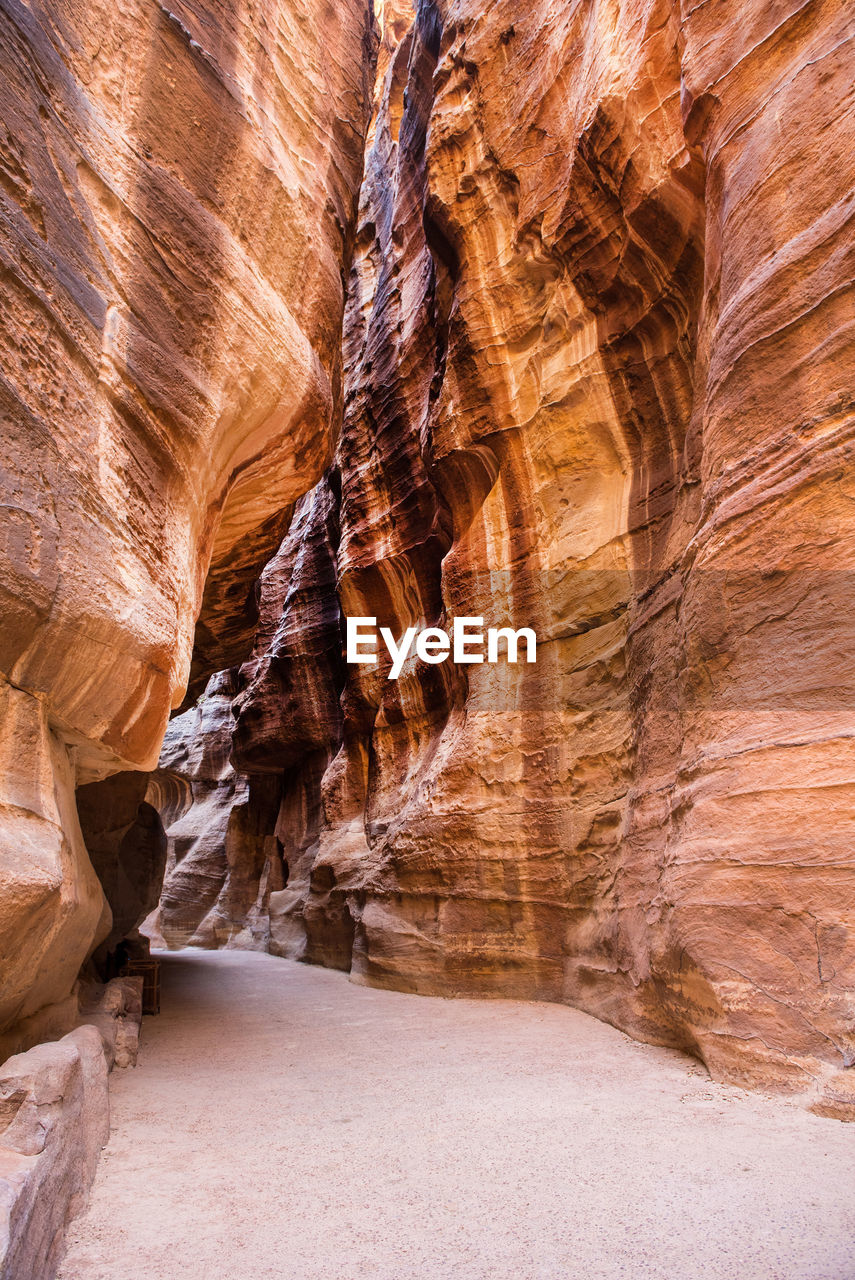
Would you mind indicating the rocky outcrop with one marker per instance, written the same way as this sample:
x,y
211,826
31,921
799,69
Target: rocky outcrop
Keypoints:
x,y
54,1120
223,858
222,763
289,720
177,196
598,356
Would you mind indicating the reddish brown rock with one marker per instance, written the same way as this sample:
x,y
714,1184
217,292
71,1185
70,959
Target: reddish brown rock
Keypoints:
x,y
126,843
599,356
223,858
177,191
598,359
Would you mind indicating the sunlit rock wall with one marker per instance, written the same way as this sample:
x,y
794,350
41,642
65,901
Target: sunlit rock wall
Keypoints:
x,y
598,381
178,185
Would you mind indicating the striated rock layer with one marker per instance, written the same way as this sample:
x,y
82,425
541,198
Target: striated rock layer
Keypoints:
x,y
177,194
599,364
223,858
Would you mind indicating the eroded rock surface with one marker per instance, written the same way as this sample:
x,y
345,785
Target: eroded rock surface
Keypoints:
x,y
54,1120
223,858
177,193
599,358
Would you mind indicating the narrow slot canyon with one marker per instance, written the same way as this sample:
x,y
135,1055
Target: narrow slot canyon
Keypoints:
x,y
336,337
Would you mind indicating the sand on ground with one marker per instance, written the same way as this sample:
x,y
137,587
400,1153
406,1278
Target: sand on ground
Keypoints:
x,y
285,1123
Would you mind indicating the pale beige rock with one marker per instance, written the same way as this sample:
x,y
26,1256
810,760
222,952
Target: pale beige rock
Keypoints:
x,y
115,1010
54,1120
51,901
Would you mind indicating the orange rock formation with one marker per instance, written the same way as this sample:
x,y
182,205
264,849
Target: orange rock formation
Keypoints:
x,y
177,193
598,364
598,353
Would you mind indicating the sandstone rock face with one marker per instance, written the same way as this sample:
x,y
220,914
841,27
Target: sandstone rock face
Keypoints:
x,y
54,1120
223,858
115,1010
126,843
177,194
599,357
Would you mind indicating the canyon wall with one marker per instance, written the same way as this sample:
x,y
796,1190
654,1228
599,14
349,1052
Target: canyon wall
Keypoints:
x,y
599,364
178,190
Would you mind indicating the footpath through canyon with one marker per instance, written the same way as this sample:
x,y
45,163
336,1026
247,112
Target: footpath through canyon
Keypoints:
x,y
417,311
283,1122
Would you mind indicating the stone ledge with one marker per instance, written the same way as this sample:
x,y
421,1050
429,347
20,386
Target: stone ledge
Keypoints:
x,y
54,1120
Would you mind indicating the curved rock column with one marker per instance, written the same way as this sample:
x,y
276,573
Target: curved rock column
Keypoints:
x,y
177,193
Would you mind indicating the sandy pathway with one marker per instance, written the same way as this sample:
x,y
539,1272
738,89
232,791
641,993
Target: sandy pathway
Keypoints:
x,y
285,1123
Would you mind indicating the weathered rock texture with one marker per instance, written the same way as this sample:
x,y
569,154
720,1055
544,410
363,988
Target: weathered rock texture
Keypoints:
x,y
54,1120
599,365
177,193
223,857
